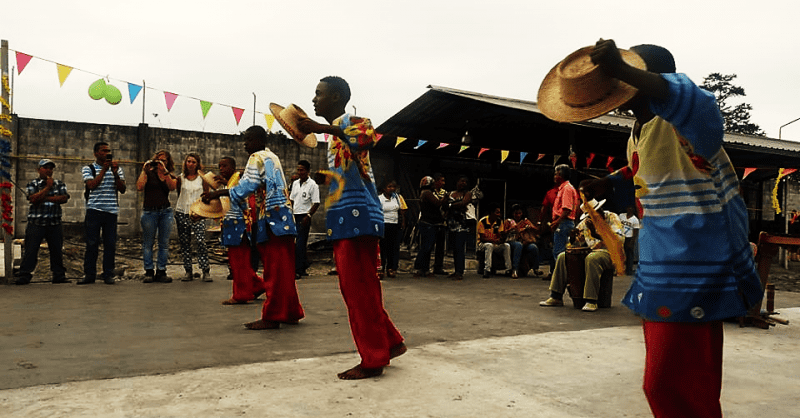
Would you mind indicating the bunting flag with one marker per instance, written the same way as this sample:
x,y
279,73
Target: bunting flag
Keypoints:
x,y
271,119
555,159
133,91
378,137
747,172
503,155
522,156
539,157
400,140
608,164
482,151
589,159
22,61
420,143
63,73
237,113
782,172
463,147
170,98
442,145
326,137
205,106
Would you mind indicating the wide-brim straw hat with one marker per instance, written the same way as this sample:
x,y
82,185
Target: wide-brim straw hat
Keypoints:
x,y
209,178
595,204
288,117
576,89
214,209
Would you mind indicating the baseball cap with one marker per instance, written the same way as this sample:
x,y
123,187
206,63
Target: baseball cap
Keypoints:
x,y
44,161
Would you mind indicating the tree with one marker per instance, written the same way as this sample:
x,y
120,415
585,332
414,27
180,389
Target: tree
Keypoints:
x,y
737,118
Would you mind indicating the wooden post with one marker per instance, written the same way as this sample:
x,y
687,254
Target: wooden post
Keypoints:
x,y
5,122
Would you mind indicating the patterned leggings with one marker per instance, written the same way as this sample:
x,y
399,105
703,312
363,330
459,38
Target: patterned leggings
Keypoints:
x,y
185,230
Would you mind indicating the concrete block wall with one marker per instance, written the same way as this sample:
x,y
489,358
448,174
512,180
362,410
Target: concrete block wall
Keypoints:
x,y
70,145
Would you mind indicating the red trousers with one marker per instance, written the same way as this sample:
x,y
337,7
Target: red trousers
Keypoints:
x,y
373,331
245,281
683,369
282,303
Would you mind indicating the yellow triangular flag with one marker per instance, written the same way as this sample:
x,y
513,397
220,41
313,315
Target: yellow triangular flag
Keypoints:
x,y
503,155
400,139
463,147
270,120
63,73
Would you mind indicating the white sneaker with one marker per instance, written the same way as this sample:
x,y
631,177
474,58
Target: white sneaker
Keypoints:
x,y
551,302
589,307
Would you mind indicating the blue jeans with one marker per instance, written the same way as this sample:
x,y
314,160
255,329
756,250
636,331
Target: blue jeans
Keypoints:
x,y
34,234
153,221
531,252
427,233
560,239
97,221
300,260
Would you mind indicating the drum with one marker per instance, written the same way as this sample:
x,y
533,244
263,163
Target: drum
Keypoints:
x,y
576,278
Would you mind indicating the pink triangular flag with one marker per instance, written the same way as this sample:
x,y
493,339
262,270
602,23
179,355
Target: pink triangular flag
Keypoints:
x,y
170,97
237,113
22,61
442,145
482,151
539,157
378,137
748,171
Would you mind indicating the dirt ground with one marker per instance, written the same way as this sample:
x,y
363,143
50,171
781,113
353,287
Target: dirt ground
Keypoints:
x,y
129,262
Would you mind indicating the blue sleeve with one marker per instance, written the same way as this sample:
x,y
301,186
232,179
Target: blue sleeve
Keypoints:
x,y
694,114
249,183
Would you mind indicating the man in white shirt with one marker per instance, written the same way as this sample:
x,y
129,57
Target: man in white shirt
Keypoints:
x,y
305,201
630,226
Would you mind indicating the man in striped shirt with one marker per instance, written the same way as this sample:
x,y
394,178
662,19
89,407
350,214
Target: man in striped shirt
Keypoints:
x,y
102,209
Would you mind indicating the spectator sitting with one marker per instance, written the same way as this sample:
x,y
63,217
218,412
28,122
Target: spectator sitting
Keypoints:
x,y
491,237
521,237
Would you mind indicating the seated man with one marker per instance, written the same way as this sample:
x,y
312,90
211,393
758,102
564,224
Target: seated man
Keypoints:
x,y
598,261
521,236
491,237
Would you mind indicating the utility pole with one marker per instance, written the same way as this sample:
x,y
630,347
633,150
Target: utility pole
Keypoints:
x,y
254,108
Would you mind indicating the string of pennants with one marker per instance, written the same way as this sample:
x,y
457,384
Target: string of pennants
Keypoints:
x,y
100,89
7,211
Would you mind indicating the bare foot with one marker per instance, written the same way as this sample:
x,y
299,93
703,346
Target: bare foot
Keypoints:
x,y
397,350
233,301
261,324
359,372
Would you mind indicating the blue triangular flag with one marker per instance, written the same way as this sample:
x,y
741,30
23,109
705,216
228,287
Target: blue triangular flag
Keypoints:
x,y
522,156
420,143
133,91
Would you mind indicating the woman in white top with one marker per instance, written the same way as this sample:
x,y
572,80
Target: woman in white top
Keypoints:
x,y
394,208
190,187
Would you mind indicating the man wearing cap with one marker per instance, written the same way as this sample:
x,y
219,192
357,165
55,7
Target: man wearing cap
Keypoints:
x,y
305,201
596,263
271,228
46,196
105,179
354,223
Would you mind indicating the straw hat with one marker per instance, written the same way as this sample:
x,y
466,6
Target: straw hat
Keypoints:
x,y
595,204
215,209
209,178
288,118
576,89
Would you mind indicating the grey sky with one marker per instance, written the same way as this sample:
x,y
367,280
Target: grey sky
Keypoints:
x,y
223,52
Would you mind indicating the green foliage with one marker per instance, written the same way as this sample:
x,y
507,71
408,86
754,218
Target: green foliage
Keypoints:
x,y
737,117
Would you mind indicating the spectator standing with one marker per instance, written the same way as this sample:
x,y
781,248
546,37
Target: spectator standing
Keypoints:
x,y
394,222
46,195
190,186
430,221
102,211
441,229
305,202
630,226
156,181
563,216
460,224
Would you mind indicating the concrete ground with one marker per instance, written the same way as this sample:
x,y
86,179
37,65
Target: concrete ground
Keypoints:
x,y
480,347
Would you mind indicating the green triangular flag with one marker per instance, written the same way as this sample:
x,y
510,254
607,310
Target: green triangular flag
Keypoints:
x,y
205,106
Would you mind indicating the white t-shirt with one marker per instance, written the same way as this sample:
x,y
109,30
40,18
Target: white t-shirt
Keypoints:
x,y
392,207
190,192
628,224
303,196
